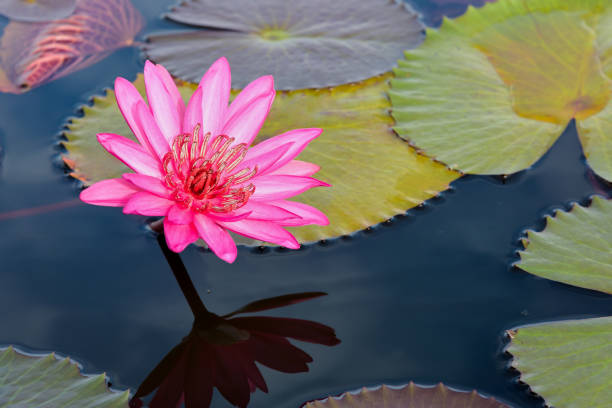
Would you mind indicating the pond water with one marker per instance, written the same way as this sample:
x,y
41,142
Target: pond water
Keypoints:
x,y
425,297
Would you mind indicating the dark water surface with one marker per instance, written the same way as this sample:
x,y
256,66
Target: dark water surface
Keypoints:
x,y
425,298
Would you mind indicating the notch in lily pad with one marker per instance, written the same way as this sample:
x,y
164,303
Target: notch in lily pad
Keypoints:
x,y
434,11
491,91
568,362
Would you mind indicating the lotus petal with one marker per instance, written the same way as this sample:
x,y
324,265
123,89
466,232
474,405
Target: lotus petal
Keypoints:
x,y
356,149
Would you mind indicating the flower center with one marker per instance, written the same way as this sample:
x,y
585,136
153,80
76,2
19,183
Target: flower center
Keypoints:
x,y
202,173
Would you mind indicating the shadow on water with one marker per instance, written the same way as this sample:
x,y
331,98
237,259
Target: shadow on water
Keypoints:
x,y
221,351
425,297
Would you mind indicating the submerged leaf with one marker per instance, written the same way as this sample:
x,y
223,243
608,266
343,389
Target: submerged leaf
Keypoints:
x,y
374,174
574,248
567,363
36,10
46,381
303,43
32,54
408,396
491,91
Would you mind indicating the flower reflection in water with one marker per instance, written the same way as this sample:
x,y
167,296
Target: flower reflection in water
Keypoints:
x,y
221,351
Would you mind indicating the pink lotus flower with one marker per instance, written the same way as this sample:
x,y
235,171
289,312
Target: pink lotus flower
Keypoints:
x,y
194,165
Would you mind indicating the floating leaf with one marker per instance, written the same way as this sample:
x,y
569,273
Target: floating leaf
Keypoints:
x,y
36,10
32,54
574,248
303,43
374,174
46,381
491,91
567,363
408,396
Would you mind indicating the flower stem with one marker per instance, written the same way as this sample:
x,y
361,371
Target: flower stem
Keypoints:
x,y
182,278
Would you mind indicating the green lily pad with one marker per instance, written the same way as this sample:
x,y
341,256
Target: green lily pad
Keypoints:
x,y
567,363
574,248
491,91
408,396
46,381
375,175
303,43
32,54
36,10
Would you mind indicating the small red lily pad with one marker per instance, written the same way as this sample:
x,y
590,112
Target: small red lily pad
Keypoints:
x,y
408,396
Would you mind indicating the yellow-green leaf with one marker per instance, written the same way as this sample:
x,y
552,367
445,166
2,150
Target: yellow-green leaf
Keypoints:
x,y
567,363
491,91
574,248
374,174
47,381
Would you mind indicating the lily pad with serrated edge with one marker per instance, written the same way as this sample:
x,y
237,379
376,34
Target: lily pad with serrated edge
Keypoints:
x,y
303,43
374,174
567,363
36,10
574,248
408,396
47,381
492,90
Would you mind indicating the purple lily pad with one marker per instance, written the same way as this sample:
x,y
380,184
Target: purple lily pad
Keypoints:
x,y
36,10
32,54
303,43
